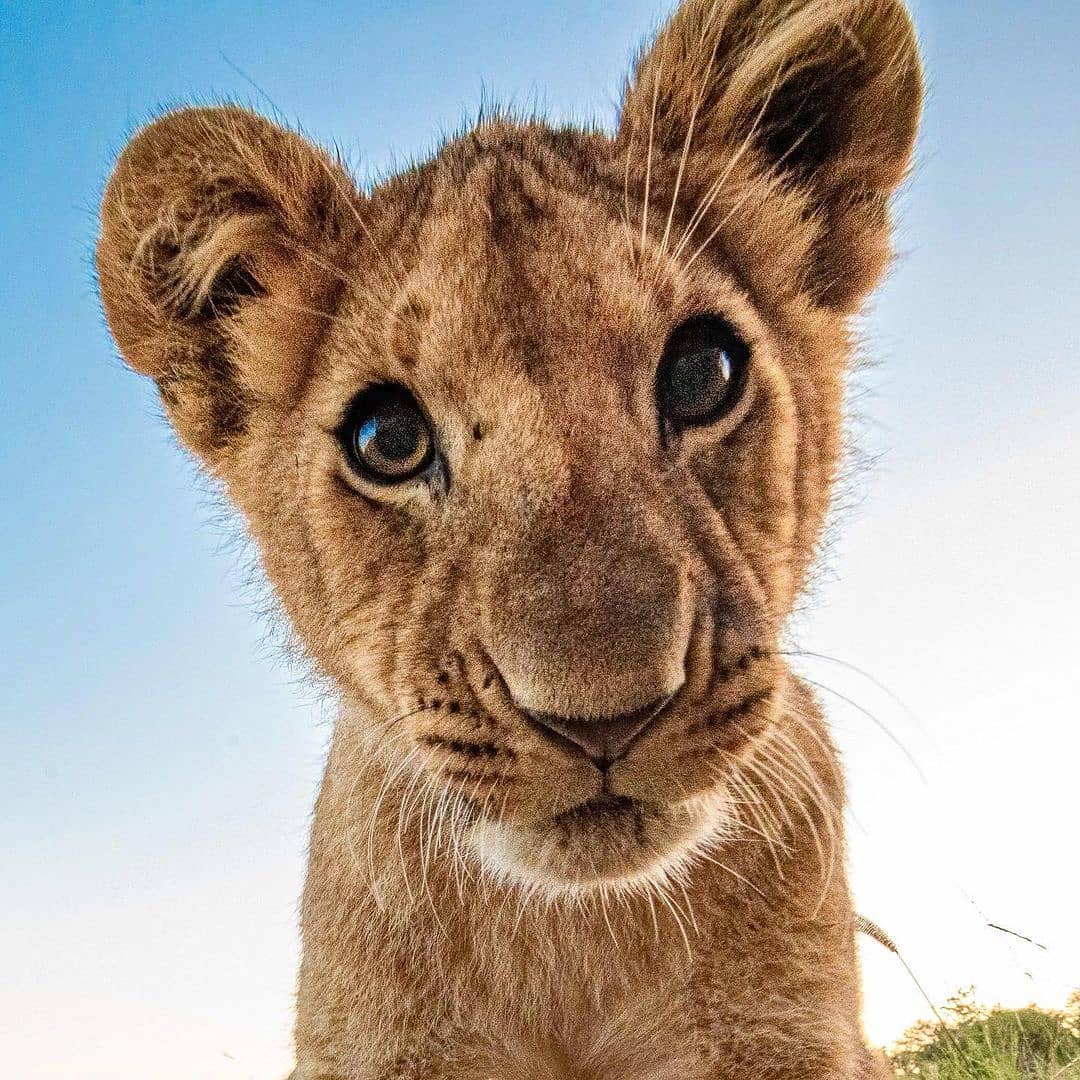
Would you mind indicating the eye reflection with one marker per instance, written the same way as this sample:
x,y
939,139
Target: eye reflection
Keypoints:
x,y
387,436
703,372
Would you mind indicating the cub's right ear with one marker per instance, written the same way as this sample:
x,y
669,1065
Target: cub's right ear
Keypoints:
x,y
222,251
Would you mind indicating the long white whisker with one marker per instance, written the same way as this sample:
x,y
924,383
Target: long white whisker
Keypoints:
x,y
648,158
713,193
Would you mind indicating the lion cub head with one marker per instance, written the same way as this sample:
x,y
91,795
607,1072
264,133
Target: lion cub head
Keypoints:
x,y
536,438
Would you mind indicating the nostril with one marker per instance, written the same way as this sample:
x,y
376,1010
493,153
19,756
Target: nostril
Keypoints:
x,y
603,739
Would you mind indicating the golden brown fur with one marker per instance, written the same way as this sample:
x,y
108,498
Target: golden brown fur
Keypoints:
x,y
472,910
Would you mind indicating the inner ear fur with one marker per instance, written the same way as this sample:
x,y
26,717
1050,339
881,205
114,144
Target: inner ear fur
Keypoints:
x,y
219,260
824,95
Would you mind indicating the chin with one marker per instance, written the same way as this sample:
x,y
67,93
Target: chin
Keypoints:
x,y
611,843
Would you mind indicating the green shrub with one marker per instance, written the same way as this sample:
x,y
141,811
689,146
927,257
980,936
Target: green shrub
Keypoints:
x,y
1000,1044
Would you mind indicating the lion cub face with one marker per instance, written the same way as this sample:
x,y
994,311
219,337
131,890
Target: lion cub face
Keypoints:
x,y
536,439
536,461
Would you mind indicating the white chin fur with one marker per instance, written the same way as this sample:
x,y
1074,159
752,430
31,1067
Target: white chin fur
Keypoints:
x,y
532,857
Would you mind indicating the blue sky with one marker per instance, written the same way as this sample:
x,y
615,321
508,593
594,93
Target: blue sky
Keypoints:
x,y
158,763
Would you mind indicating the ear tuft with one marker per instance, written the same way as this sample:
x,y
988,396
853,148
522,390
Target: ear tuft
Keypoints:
x,y
201,278
230,286
211,214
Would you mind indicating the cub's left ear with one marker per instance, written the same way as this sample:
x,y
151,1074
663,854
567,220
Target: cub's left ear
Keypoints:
x,y
823,94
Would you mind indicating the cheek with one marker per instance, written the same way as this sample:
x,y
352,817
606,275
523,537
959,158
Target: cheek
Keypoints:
x,y
749,478
367,561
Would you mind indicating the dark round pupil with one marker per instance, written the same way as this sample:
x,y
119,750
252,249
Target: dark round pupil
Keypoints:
x,y
698,379
394,435
397,434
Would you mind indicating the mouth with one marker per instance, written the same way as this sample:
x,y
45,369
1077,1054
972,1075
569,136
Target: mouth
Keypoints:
x,y
602,812
646,819
607,840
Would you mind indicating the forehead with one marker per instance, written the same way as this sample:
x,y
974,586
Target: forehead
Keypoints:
x,y
521,256
515,253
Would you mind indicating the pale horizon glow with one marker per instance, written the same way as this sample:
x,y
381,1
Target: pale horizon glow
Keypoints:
x,y
159,765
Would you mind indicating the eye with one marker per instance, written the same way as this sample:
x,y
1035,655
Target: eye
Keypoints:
x,y
386,435
702,373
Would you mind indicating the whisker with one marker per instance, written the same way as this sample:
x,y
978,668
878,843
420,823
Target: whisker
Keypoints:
x,y
648,157
663,897
652,911
776,181
875,682
384,789
607,920
350,202
767,824
727,869
404,816
714,191
698,101
627,230
884,728
810,782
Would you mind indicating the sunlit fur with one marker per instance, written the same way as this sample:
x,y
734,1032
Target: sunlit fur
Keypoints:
x,y
473,907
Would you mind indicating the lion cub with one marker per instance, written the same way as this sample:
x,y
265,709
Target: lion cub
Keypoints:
x,y
536,440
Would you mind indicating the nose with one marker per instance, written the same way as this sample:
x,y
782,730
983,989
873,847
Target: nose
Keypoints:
x,y
603,739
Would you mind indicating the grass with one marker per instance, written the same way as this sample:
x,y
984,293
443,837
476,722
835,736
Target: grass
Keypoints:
x,y
997,1044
